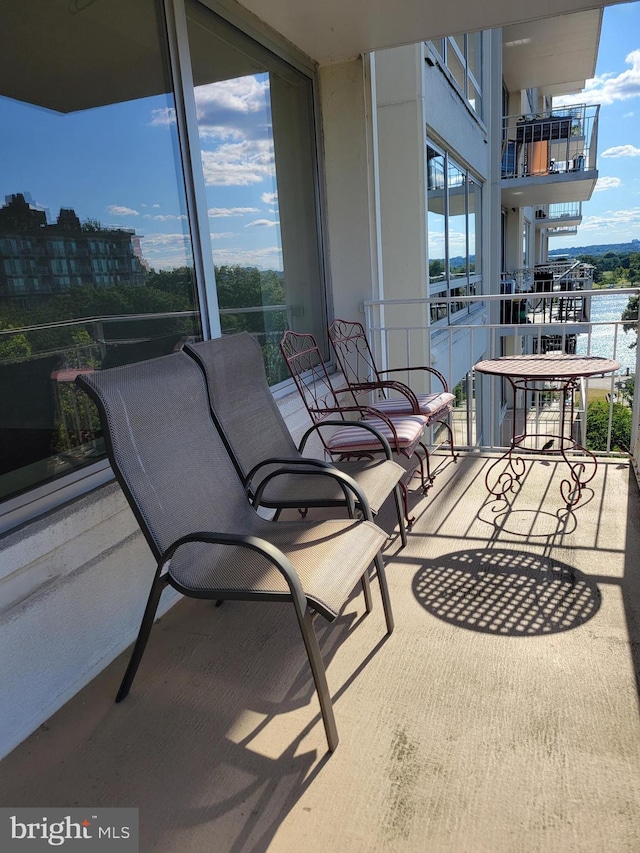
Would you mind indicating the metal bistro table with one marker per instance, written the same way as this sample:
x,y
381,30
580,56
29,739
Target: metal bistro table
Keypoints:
x,y
536,374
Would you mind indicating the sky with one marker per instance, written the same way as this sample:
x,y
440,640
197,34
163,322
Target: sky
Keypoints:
x,y
612,215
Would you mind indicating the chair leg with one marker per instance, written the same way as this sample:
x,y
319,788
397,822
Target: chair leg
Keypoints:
x,y
366,590
384,592
319,676
143,635
429,477
451,442
405,503
397,495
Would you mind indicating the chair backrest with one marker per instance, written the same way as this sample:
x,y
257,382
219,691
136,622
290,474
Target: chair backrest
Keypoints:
x,y
165,450
241,400
353,352
305,363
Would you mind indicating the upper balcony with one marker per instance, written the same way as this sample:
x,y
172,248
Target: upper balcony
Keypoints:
x,y
549,157
555,217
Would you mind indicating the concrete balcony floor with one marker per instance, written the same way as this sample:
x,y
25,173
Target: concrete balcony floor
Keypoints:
x,y
500,716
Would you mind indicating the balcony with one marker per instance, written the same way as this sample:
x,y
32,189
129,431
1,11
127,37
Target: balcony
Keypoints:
x,y
549,157
556,218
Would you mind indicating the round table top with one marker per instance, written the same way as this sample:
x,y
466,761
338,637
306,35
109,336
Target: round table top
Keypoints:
x,y
553,365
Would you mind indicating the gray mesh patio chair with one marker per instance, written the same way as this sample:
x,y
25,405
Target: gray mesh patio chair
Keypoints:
x,y
209,542
393,397
259,441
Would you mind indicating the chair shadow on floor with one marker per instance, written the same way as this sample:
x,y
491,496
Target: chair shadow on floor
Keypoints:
x,y
506,593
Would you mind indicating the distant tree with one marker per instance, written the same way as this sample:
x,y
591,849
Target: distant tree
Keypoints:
x,y
436,269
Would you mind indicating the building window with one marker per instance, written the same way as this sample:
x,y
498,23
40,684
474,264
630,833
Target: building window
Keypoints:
x,y
454,204
257,141
462,56
105,199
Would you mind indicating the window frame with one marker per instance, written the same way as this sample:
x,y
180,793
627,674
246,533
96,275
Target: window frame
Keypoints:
x,y
450,51
471,281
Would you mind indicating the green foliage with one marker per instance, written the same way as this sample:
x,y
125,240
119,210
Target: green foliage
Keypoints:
x,y
14,347
614,267
598,426
627,389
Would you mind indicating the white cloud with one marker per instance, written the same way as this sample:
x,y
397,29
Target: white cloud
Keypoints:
x,y
607,184
628,115
268,259
610,87
163,117
613,220
167,217
261,223
234,110
239,163
167,251
157,206
221,235
621,151
230,211
119,210
269,198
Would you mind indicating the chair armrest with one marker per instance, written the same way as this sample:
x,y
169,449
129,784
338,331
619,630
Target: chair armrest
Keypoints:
x,y
283,460
269,552
316,468
340,423
431,370
390,384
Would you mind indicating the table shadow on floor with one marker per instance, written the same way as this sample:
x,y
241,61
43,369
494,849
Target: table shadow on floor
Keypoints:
x,y
506,593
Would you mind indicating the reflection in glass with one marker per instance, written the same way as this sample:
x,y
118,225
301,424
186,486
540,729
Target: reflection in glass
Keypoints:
x,y
256,133
458,251
436,223
95,256
454,208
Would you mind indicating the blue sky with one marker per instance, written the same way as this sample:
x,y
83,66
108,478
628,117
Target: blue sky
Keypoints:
x,y
613,213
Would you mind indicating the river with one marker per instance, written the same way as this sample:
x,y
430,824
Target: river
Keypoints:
x,y
609,308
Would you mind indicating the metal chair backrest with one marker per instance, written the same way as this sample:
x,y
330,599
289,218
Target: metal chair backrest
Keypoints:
x,y
353,352
309,372
167,455
241,400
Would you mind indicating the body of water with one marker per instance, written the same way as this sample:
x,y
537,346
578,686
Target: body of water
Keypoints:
x,y
603,338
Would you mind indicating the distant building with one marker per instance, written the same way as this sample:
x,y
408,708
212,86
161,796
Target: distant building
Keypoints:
x,y
38,258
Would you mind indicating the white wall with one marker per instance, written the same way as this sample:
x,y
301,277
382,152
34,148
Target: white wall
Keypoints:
x,y
348,188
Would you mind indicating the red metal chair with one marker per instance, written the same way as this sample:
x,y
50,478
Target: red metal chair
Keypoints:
x,y
355,359
349,440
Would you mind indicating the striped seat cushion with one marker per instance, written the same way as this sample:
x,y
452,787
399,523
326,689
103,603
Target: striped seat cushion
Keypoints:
x,y
430,404
352,439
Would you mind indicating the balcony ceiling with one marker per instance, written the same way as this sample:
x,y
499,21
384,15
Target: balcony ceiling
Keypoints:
x,y
548,189
102,52
335,30
556,55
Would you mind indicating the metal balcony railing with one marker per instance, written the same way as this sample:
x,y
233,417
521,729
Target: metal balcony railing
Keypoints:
x,y
509,323
558,141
